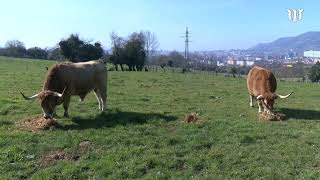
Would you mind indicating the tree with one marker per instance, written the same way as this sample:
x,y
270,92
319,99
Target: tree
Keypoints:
x,y
70,47
177,59
173,59
90,52
151,43
76,49
233,70
37,53
129,51
55,54
314,73
134,53
15,48
117,44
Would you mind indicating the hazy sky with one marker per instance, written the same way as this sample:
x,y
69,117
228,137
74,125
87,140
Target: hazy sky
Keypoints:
x,y
214,24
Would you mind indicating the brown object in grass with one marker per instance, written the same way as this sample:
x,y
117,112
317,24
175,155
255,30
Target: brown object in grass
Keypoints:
x,y
54,156
190,118
37,123
272,116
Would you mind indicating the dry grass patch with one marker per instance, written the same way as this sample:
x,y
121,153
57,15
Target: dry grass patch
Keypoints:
x,y
37,123
193,118
272,116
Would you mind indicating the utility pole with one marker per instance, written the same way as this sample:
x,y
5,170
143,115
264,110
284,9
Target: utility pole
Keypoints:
x,y
186,45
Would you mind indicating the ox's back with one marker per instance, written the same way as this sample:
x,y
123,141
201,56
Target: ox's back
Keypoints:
x,y
261,81
79,77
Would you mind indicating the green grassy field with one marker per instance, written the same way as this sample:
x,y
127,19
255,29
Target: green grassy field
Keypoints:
x,y
141,134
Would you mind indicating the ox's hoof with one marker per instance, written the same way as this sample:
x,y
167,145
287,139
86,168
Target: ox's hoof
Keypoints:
x,y
103,112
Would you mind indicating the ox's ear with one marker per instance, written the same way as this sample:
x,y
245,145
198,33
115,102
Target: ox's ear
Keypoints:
x,y
260,97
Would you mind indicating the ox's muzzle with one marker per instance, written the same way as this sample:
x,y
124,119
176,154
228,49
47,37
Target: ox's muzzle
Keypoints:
x,y
48,116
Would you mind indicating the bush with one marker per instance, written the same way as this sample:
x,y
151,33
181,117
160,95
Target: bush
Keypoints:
x,y
77,50
314,73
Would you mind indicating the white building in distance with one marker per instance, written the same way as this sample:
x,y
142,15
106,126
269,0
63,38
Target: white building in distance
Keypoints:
x,y
311,54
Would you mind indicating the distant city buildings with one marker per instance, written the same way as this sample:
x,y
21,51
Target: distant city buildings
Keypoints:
x,y
312,56
249,58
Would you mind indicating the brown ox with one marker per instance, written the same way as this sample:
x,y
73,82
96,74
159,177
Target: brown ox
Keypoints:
x,y
72,79
262,85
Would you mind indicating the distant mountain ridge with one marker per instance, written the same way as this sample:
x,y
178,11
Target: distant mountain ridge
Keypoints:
x,y
303,42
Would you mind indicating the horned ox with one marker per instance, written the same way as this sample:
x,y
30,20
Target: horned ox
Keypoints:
x,y
72,79
262,85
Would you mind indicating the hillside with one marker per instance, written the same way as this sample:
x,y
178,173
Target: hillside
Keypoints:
x,y
142,136
300,43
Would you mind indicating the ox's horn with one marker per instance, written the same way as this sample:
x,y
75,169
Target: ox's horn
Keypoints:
x,y
260,97
28,98
283,97
58,94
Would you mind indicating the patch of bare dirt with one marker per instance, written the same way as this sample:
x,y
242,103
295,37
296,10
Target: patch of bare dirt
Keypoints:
x,y
70,155
55,156
272,116
192,118
37,123
84,146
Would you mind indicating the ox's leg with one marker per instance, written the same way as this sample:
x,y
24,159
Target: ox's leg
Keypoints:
x,y
251,100
97,93
102,89
260,105
66,103
103,93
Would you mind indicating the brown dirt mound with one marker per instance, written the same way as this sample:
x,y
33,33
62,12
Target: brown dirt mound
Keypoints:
x,y
71,155
56,156
191,118
37,123
272,116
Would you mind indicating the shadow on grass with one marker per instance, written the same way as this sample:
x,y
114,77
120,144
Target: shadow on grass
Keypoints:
x,y
301,114
113,118
5,123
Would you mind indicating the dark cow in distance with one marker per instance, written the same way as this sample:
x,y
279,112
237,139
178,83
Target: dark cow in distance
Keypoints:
x,y
72,79
262,85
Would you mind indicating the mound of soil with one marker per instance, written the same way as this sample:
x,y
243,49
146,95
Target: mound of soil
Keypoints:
x,y
272,116
191,118
56,156
37,123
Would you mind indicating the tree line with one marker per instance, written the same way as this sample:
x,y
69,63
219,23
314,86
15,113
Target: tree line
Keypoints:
x,y
139,49
133,51
73,49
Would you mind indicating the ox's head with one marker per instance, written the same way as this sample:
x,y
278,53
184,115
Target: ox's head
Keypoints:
x,y
268,99
48,101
